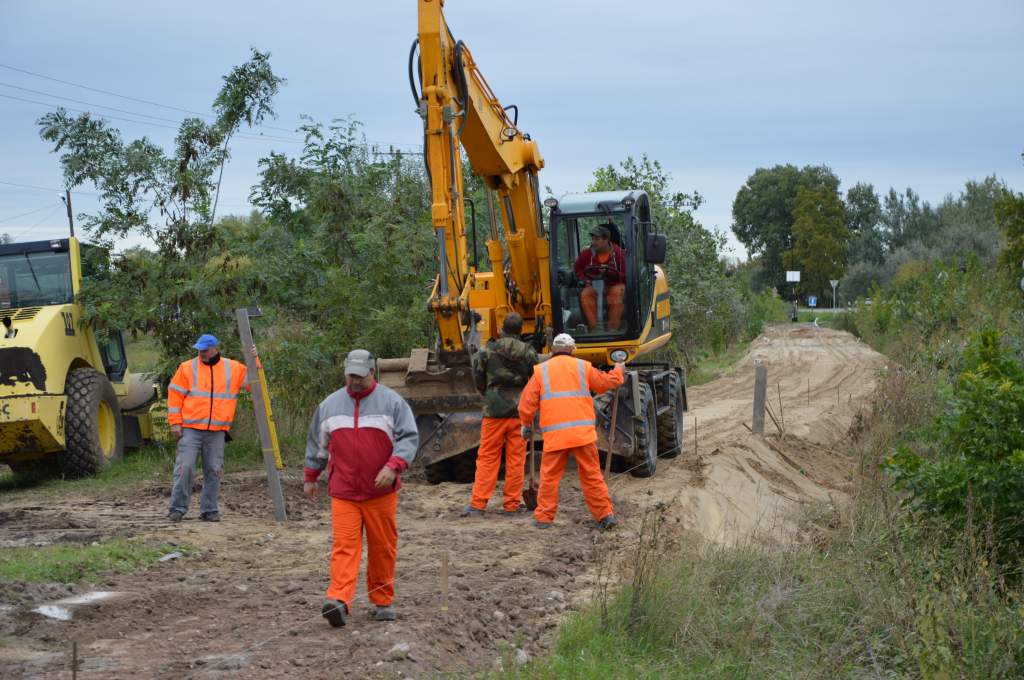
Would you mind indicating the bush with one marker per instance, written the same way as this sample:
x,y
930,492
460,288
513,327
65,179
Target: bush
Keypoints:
x,y
973,456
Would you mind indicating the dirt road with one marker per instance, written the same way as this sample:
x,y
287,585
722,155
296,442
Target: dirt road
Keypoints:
x,y
244,599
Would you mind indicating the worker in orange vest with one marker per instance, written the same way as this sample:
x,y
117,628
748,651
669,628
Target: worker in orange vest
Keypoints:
x,y
560,388
201,400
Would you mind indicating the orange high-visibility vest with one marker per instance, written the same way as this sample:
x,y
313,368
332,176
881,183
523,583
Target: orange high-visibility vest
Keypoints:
x,y
204,397
566,406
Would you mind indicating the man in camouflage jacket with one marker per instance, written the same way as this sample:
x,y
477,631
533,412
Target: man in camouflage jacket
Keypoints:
x,y
500,371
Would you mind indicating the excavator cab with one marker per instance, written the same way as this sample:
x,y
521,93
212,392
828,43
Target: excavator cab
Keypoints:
x,y
592,299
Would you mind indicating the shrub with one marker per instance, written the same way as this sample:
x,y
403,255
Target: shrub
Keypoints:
x,y
974,452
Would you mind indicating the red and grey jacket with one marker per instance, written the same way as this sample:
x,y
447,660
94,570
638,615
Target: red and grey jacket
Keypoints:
x,y
616,263
354,435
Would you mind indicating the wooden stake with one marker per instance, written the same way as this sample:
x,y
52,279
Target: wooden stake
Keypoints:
x,y
263,422
695,436
760,385
74,660
444,581
782,413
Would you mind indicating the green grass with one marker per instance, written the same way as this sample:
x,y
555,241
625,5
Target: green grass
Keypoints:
x,y
711,365
143,354
72,563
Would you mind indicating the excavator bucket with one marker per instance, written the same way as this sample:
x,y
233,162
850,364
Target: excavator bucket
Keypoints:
x,y
446,405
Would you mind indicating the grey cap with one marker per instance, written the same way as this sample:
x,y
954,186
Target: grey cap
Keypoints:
x,y
601,230
359,362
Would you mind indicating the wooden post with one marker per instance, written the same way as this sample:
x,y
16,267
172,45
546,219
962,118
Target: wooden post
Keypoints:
x,y
67,204
760,389
262,422
74,660
782,412
444,581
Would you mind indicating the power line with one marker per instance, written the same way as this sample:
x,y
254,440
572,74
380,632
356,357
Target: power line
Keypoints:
x,y
242,135
46,189
123,96
36,225
30,212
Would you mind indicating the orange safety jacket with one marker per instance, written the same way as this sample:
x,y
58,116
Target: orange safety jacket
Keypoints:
x,y
204,397
561,389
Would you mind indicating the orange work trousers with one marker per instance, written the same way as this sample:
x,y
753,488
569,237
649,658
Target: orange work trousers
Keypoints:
x,y
595,491
498,435
348,519
613,293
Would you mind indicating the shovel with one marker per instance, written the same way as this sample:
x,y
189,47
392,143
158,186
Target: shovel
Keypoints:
x,y
611,435
530,493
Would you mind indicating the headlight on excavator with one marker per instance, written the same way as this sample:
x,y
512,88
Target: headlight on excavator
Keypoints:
x,y
619,355
551,202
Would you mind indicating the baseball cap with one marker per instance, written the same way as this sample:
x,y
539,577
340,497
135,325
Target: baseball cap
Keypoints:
x,y
206,341
358,362
601,230
563,340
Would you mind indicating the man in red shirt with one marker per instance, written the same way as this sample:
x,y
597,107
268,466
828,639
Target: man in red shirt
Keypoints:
x,y
602,261
365,436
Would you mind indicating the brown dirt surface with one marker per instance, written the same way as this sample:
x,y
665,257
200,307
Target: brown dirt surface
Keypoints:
x,y
244,600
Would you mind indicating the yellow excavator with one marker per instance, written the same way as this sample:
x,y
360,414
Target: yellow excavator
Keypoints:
x,y
534,248
68,403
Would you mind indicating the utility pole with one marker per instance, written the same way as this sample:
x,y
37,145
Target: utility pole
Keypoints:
x,y
67,203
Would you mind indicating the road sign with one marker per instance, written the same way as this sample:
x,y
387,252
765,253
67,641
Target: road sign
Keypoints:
x,y
834,282
792,277
812,301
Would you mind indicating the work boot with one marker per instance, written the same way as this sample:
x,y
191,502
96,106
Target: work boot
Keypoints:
x,y
607,523
520,511
384,612
210,516
334,611
470,511
175,516
542,525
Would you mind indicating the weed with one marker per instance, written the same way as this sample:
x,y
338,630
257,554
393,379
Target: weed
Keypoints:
x,y
72,563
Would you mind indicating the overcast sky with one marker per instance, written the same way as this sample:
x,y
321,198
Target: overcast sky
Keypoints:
x,y
925,94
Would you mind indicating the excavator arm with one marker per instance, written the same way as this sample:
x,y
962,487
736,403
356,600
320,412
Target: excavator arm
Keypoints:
x,y
461,113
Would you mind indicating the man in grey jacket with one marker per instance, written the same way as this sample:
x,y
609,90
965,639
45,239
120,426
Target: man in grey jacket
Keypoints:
x,y
365,435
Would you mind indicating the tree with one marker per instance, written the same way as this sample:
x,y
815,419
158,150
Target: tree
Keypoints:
x,y
906,219
863,220
192,281
763,212
820,239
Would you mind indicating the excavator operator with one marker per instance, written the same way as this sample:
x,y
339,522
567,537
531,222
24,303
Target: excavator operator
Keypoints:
x,y
602,261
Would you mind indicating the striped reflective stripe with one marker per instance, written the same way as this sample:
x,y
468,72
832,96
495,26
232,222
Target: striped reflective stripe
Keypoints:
x,y
179,390
215,395
582,392
172,409
571,423
204,393
205,421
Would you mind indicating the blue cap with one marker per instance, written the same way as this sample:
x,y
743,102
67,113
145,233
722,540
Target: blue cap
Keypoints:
x,y
206,341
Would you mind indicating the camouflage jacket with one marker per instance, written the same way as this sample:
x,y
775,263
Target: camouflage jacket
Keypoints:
x,y
500,371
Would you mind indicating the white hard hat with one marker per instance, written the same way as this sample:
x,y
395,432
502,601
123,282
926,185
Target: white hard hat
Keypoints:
x,y
563,340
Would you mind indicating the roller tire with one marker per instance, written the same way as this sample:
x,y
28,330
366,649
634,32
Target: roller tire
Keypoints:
x,y
645,435
89,445
670,424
